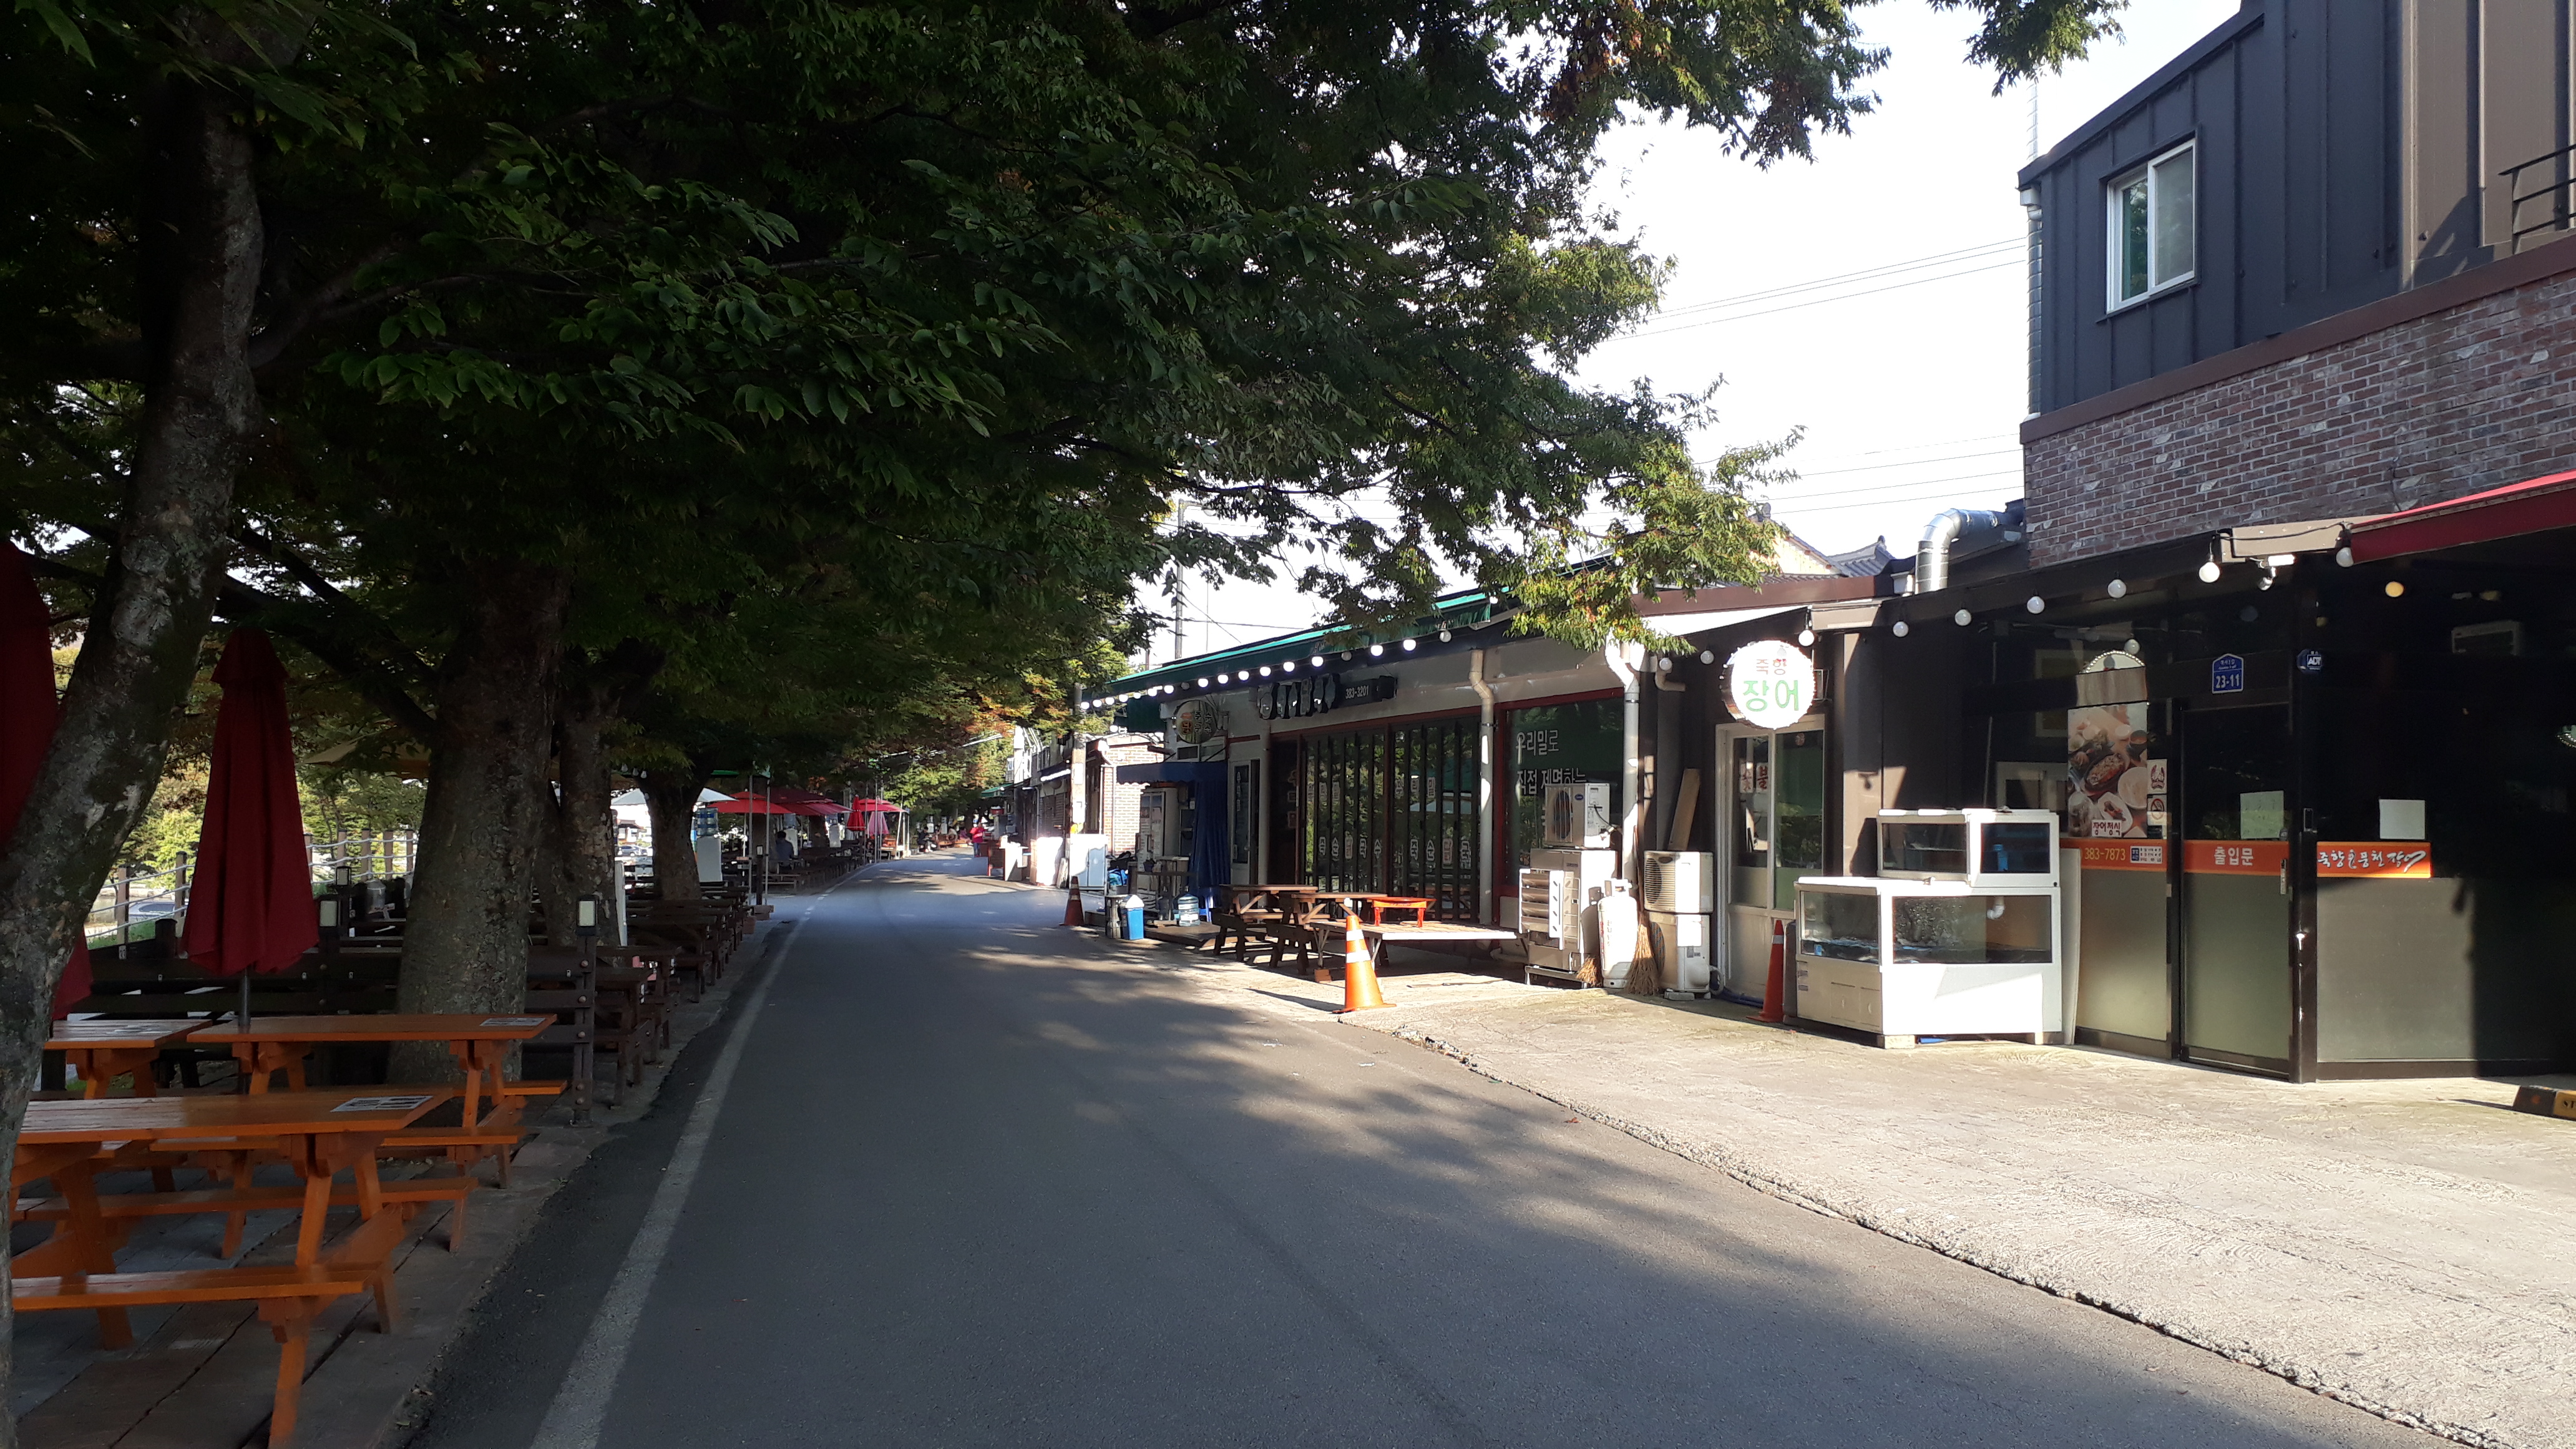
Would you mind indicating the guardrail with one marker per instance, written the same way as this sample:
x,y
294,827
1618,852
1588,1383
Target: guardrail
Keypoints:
x,y
135,902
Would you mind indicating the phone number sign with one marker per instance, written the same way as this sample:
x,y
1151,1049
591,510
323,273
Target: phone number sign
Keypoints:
x,y
1770,684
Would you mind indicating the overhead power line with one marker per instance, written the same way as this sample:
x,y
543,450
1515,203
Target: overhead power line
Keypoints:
x,y
1909,463
1864,275
1898,487
1883,502
1822,301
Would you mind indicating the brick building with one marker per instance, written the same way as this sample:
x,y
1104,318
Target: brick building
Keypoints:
x,y
2293,653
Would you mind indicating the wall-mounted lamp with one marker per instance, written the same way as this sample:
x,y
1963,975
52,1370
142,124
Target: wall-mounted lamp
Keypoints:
x,y
1444,636
1707,656
1960,618
2118,588
1377,651
2209,572
1806,638
2343,556
1409,645
1902,629
2035,604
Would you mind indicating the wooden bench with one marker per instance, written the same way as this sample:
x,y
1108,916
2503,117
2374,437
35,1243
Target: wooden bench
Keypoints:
x,y
288,1300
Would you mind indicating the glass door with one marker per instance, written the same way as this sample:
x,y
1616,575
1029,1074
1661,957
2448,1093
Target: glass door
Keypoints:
x,y
2235,815
1772,812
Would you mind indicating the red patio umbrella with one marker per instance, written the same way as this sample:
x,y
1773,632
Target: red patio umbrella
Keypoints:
x,y
748,805
790,795
27,711
250,903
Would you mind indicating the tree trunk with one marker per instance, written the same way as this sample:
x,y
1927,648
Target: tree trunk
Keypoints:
x,y
672,796
580,855
482,827
201,273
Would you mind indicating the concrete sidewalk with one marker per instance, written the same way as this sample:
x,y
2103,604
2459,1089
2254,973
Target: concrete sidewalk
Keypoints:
x,y
2401,1246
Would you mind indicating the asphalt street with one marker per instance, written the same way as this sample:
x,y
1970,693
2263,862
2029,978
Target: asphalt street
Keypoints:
x,y
968,1180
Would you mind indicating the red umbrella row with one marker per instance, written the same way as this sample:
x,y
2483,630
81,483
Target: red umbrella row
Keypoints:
x,y
250,902
27,713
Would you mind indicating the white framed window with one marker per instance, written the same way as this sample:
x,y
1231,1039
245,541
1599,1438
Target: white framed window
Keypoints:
x,y
2154,236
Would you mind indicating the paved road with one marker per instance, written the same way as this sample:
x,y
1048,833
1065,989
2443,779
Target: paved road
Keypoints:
x,y
973,1183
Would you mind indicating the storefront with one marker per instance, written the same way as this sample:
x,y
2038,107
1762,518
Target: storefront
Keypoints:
x,y
2318,787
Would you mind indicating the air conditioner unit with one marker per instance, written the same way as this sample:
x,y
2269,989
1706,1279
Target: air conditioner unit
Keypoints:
x,y
1576,817
1681,946
1548,910
1680,881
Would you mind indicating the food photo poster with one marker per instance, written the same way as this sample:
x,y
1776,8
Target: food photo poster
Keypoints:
x,y
2115,775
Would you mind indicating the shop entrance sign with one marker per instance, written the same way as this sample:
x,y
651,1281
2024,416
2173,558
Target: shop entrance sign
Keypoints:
x,y
1769,684
2227,674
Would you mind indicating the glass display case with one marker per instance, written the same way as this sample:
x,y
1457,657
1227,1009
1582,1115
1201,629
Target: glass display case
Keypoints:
x,y
1959,937
1981,847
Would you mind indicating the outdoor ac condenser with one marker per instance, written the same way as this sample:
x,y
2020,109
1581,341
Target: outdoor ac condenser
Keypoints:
x,y
1678,881
1576,817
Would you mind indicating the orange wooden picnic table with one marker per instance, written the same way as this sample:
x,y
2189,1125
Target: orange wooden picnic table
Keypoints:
x,y
101,1051
318,1132
1377,903
270,1044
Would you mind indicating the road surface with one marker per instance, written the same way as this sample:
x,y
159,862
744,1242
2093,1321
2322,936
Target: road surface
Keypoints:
x,y
965,1180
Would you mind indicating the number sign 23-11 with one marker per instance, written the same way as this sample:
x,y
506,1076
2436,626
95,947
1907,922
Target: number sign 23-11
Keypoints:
x,y
1770,684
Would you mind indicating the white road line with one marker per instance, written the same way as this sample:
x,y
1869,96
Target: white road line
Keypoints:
x,y
581,1405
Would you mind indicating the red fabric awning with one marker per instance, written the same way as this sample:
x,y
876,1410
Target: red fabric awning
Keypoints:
x,y
791,795
27,711
2536,506
250,896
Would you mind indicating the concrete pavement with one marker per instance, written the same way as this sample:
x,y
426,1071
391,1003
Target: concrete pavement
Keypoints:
x,y
2399,1245
974,1180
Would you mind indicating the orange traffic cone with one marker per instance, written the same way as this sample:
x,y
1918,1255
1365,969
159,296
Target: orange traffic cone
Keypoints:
x,y
1775,994
1073,906
1359,974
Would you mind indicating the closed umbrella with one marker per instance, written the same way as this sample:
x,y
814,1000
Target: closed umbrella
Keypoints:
x,y
27,710
251,905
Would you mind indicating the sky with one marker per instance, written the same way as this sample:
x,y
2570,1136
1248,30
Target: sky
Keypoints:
x,y
1873,300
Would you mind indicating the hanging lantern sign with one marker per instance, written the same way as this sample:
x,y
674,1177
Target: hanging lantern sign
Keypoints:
x,y
1769,684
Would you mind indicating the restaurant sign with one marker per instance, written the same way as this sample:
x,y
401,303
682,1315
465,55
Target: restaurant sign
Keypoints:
x,y
2374,859
1319,694
1769,684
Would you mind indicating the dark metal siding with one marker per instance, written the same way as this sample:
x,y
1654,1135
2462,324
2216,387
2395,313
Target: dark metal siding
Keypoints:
x,y
2347,149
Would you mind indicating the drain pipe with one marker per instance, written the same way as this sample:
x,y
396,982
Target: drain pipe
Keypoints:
x,y
1624,659
1932,556
1485,911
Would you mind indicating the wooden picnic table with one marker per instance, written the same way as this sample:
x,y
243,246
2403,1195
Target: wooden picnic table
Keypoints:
x,y
319,1133
1376,902
102,1051
267,1045
1417,933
